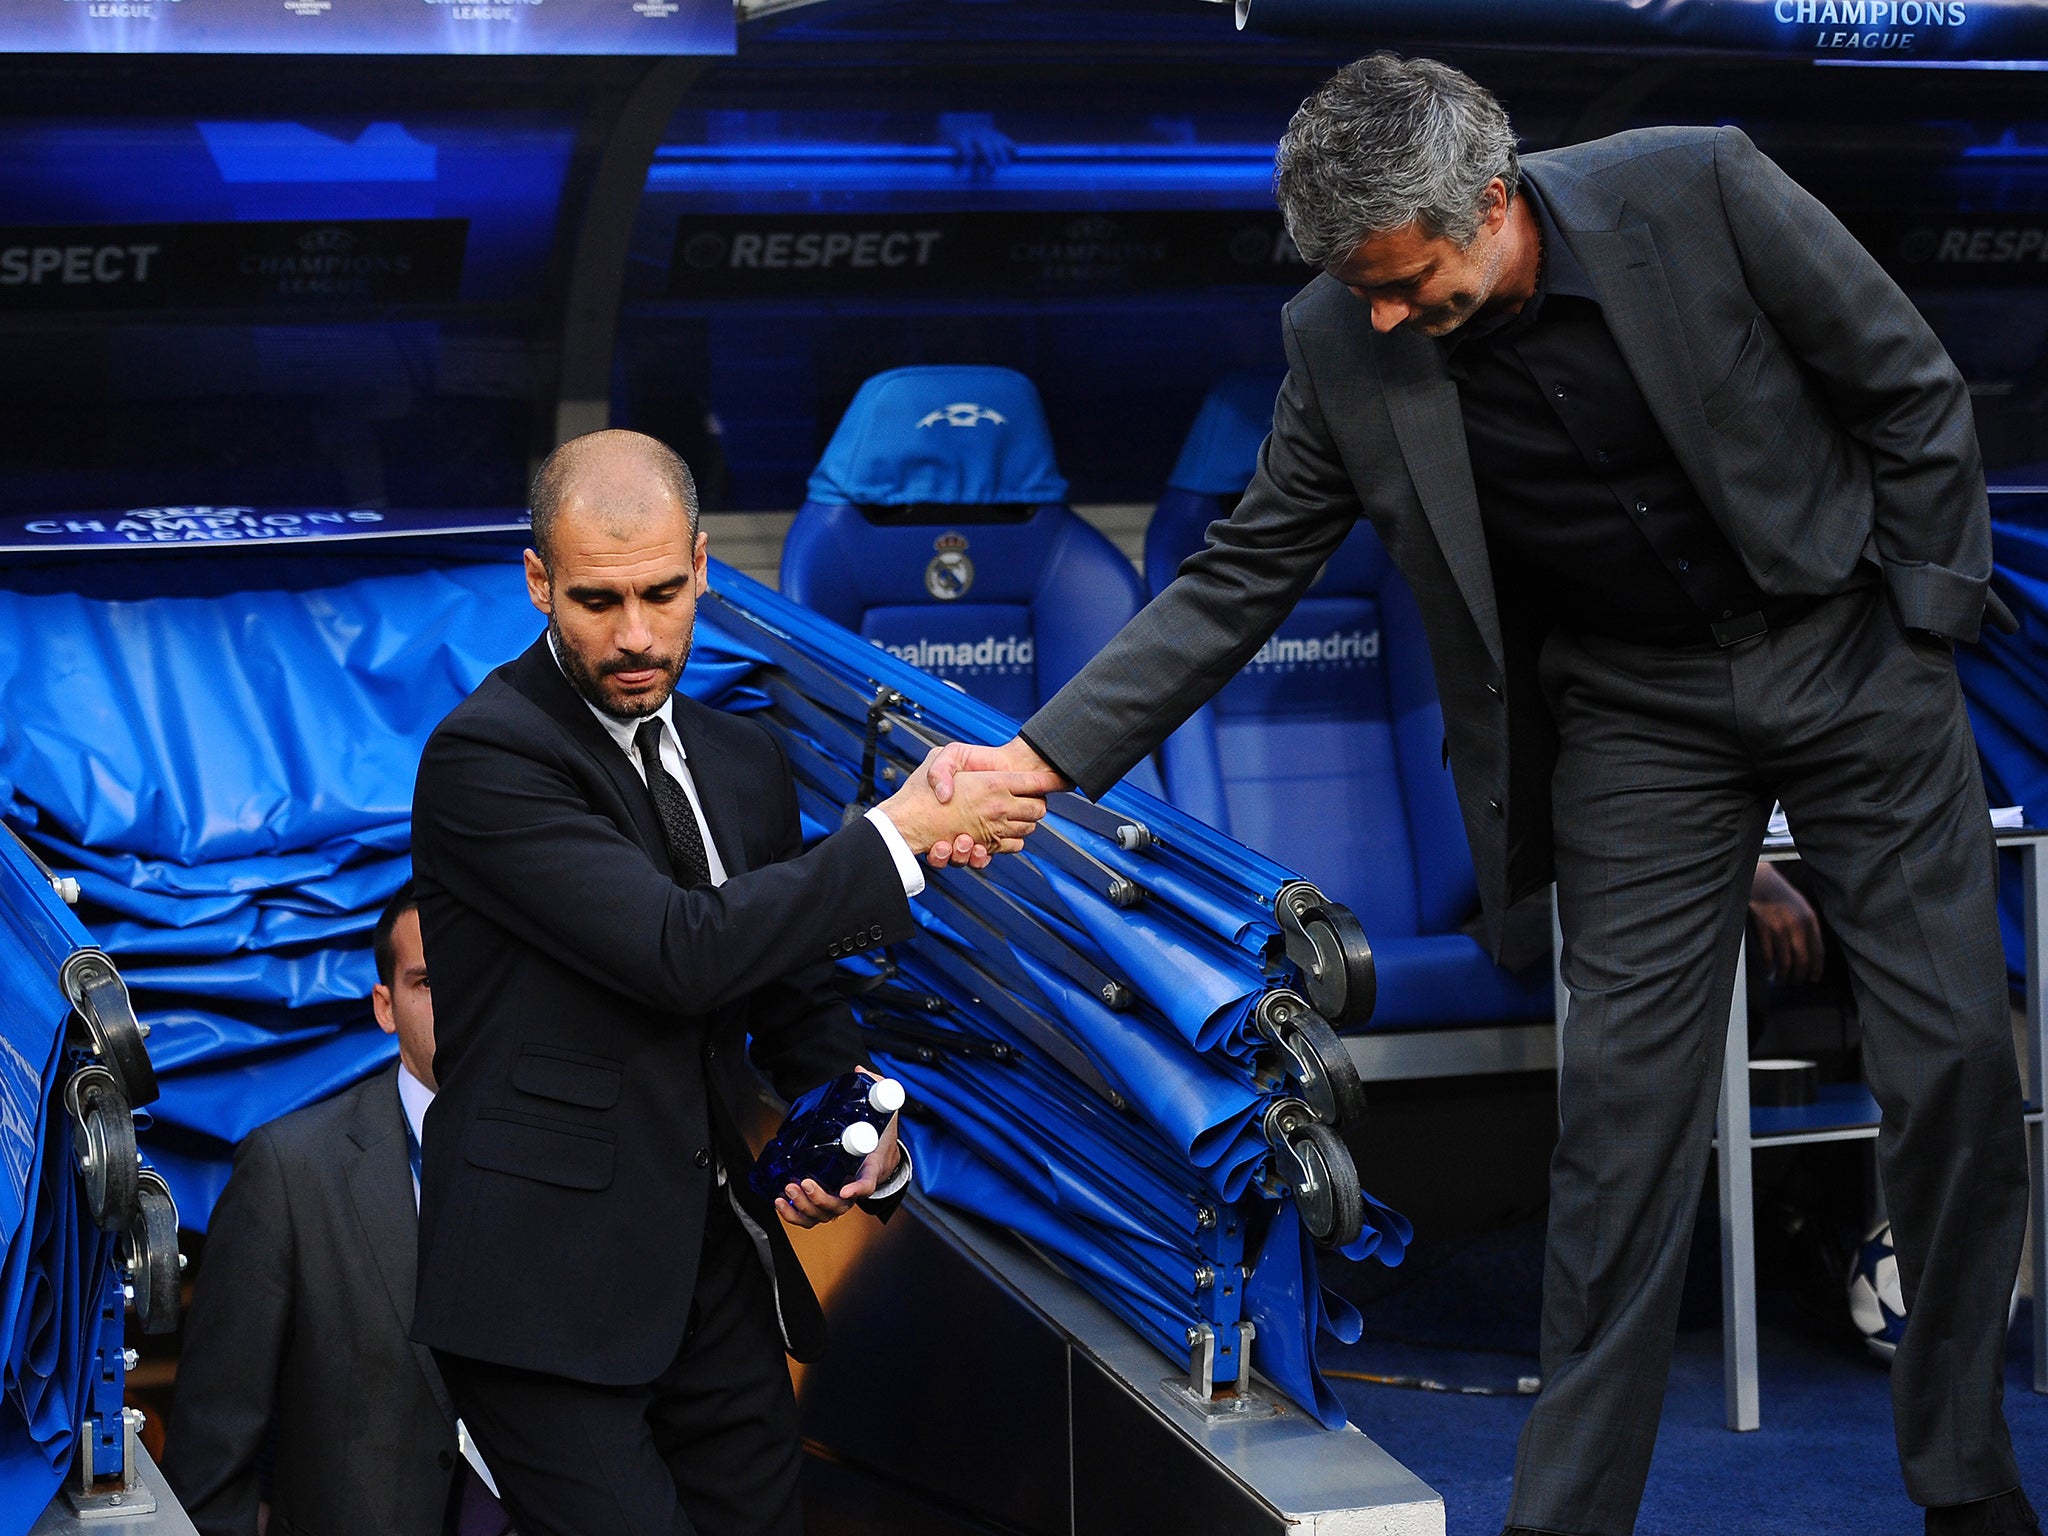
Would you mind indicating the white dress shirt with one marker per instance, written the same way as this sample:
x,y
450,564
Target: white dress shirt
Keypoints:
x,y
413,1097
676,761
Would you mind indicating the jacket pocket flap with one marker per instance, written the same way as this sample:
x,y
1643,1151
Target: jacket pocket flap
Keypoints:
x,y
533,1148
589,1082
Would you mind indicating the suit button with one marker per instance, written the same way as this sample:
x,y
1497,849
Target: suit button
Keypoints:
x,y
831,951
875,934
703,1157
1493,806
445,1460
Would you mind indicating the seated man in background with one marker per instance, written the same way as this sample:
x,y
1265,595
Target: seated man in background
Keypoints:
x,y
624,921
301,1308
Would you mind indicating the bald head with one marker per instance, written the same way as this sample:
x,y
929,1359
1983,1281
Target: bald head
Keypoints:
x,y
619,479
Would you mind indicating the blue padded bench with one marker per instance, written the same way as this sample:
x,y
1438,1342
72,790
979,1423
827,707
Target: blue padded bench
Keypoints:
x,y
936,526
1326,751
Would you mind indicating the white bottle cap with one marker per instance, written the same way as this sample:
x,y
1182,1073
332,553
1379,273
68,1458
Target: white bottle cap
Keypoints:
x,y
860,1138
885,1096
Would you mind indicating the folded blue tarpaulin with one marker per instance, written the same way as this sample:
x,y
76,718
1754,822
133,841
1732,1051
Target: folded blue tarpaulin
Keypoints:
x,y
235,801
1077,1021
56,1261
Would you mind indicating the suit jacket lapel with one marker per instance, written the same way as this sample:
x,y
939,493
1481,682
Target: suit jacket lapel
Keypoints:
x,y
1430,427
537,675
379,1176
1627,271
717,792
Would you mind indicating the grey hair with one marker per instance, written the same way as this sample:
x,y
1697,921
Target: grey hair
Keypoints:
x,y
551,481
1387,142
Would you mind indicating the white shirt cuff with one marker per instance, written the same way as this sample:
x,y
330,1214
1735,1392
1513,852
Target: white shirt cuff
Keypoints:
x,y
908,870
899,1182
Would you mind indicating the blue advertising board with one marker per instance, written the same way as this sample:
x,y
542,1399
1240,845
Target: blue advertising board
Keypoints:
x,y
368,26
1821,29
184,527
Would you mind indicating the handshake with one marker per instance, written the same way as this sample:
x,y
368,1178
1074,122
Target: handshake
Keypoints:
x,y
968,803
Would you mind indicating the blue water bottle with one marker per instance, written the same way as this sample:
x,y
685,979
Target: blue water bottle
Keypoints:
x,y
826,1135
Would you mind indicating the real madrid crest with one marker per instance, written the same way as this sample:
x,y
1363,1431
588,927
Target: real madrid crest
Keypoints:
x,y
950,573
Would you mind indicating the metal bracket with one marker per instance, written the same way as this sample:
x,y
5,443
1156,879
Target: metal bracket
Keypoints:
x,y
1234,1400
1126,832
90,1499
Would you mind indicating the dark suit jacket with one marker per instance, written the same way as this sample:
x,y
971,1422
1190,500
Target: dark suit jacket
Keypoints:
x,y
1814,411
301,1307
591,1019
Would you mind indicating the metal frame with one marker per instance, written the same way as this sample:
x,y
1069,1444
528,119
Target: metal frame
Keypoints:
x,y
1737,1139
1401,1055
627,133
1087,1432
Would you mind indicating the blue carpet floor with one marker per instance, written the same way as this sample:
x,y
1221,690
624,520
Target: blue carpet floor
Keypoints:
x,y
1822,1464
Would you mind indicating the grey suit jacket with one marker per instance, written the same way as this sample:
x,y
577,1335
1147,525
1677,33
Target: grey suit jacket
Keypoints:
x,y
301,1307
1813,409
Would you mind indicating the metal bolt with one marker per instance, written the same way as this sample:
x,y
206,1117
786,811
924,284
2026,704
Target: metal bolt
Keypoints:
x,y
1204,1277
144,1028
182,1262
1205,1217
129,1359
113,1498
127,1293
1109,991
1194,1336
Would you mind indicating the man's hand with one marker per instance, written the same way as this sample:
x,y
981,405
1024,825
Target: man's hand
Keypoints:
x,y
1787,930
982,812
809,1205
1017,756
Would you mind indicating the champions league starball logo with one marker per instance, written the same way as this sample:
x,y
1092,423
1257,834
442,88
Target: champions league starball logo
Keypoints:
x,y
962,414
950,572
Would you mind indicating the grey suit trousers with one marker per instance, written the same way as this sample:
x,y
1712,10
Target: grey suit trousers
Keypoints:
x,y
1667,766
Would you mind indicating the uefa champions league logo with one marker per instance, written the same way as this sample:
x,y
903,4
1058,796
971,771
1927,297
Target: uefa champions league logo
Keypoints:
x,y
962,414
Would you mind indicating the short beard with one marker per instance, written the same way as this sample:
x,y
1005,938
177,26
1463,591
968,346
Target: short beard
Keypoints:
x,y
1463,306
590,684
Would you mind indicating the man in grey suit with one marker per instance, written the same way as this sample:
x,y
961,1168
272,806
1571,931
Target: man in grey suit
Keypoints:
x,y
1691,501
302,1305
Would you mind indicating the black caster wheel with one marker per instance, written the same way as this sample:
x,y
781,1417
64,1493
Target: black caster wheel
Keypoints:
x,y
1325,940
151,1254
103,1140
1314,1165
101,998
1311,1060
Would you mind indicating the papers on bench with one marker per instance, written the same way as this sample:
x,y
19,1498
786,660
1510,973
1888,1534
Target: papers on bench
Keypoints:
x,y
1778,834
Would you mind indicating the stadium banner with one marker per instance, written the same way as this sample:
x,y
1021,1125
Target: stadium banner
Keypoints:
x,y
183,527
1820,29
368,26
767,256
231,264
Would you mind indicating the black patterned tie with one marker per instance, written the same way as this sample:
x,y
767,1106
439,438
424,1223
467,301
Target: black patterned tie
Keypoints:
x,y
678,821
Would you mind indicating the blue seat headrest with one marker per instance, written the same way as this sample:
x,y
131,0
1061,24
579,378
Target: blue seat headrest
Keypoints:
x,y
961,436
1222,447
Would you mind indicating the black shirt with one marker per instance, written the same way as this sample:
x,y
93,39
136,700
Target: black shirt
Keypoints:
x,y
1590,521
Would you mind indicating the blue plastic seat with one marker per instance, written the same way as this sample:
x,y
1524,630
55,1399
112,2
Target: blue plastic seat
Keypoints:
x,y
936,527
1326,752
